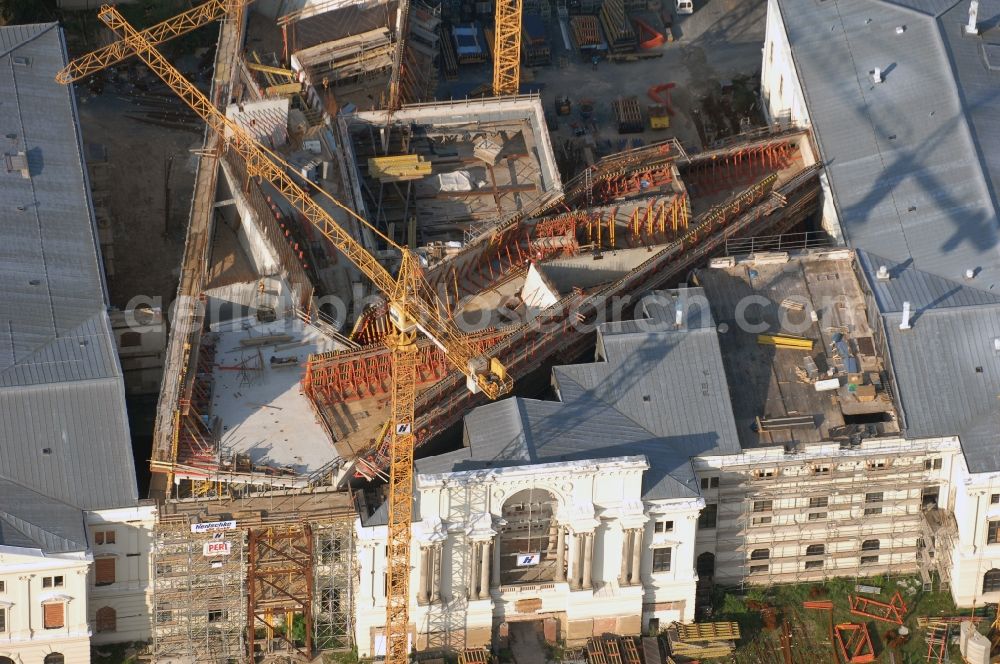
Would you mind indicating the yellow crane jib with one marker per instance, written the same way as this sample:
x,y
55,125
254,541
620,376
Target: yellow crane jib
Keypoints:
x,y
413,306
183,23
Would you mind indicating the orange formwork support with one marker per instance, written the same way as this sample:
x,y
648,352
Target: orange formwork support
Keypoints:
x,y
893,612
854,643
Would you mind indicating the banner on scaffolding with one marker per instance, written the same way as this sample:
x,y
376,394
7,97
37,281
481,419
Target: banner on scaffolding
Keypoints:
x,y
209,526
528,559
220,548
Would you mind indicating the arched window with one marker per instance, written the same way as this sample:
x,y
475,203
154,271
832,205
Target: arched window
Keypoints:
x,y
815,550
991,581
107,619
869,545
6,660
54,658
760,554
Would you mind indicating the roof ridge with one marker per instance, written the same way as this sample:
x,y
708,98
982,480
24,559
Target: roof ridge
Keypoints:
x,y
48,26
31,530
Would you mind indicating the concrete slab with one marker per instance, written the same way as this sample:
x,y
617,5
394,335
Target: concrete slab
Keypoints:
x,y
262,410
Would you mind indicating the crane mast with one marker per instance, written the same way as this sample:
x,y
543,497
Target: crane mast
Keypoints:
x,y
413,308
507,47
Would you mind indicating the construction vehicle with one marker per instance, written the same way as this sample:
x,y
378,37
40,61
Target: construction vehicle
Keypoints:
x,y
412,305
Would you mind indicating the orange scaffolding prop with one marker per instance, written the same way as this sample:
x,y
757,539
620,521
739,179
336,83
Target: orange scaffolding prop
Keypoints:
x,y
893,612
854,643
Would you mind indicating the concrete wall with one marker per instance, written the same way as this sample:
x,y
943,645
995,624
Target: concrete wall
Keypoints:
x,y
130,594
22,572
784,101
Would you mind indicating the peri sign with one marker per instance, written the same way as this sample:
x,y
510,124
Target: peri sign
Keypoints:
x,y
209,526
219,548
527,559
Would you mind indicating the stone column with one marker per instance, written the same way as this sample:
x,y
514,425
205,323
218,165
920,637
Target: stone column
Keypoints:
x,y
484,571
495,576
574,561
623,576
636,576
473,572
436,562
422,585
588,560
561,556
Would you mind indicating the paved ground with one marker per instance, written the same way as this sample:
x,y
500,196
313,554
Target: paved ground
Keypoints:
x,y
721,41
526,642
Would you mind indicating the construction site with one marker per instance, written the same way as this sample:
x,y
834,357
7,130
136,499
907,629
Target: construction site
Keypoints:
x,y
396,228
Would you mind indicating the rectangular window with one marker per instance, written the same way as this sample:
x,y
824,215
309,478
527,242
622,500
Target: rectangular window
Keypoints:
x,y
781,86
995,499
163,617
873,511
821,501
52,582
770,53
765,473
216,615
3,586
993,532
814,564
873,497
3,621
869,560
821,470
758,569
104,571
663,527
53,615
932,464
661,559
761,520
877,464
708,517
817,516
710,483
762,505
102,537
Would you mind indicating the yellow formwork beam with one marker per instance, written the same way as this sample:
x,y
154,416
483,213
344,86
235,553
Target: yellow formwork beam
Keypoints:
x,y
785,341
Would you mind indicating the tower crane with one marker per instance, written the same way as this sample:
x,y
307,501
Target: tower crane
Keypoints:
x,y
176,26
413,307
507,47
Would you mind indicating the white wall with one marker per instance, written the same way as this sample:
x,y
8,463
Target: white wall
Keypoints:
x,y
130,594
22,572
973,555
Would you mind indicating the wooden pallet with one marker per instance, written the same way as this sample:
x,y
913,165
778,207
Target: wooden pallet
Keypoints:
x,y
715,631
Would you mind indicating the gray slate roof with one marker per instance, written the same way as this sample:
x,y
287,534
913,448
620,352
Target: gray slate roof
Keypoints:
x,y
61,385
657,391
914,162
31,520
946,367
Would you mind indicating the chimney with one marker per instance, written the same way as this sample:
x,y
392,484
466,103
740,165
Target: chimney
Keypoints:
x,y
996,344
883,273
971,28
678,314
905,323
877,72
970,274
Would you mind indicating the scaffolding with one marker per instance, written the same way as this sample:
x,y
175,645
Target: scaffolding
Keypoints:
x,y
199,600
257,577
864,510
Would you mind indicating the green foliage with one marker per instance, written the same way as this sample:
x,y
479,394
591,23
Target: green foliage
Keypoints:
x,y
343,657
27,11
506,655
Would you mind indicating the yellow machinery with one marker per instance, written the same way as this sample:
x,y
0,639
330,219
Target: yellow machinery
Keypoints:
x,y
413,307
507,48
183,23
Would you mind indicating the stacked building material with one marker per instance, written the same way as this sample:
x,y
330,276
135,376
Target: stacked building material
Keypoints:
x,y
702,640
628,115
534,41
586,33
618,28
346,58
449,59
399,168
467,44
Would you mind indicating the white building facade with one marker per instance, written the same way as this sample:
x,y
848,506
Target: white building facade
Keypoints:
x,y
571,545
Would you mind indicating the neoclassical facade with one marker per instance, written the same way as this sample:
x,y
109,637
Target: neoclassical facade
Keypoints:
x,y
570,544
